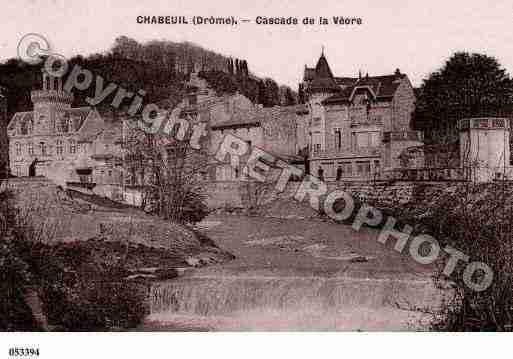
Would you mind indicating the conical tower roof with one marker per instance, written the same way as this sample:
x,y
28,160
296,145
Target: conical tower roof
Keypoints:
x,y
323,80
322,69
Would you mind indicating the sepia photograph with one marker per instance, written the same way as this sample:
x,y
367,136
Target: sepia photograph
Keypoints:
x,y
294,167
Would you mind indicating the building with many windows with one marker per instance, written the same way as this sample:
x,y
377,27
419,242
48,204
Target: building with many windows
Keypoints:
x,y
357,126
63,143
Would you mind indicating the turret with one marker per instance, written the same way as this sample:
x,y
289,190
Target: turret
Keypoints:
x,y
47,100
51,91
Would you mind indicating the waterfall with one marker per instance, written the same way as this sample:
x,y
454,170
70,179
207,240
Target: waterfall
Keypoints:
x,y
267,303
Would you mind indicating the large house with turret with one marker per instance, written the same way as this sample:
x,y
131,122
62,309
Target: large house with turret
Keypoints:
x,y
357,126
63,143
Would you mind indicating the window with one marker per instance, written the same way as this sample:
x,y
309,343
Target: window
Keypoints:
x,y
378,119
65,123
329,169
43,149
316,121
347,169
365,139
58,147
363,167
72,146
338,138
24,128
30,147
18,149
377,167
317,147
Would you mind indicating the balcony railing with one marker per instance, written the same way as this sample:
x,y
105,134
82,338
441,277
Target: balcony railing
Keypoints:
x,y
366,122
358,152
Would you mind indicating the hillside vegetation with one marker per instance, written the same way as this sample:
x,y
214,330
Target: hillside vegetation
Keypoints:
x,y
157,67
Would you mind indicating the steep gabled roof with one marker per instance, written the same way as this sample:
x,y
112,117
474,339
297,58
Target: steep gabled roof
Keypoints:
x,y
322,69
92,126
18,118
323,80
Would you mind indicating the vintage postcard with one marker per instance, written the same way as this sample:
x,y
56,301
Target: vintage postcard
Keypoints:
x,y
293,166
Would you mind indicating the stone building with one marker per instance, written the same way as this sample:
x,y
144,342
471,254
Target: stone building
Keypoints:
x,y
4,142
60,142
358,126
274,130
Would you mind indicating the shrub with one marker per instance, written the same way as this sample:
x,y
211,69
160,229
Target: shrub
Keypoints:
x,y
476,220
77,293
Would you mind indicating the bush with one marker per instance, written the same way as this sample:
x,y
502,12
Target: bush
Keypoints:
x,y
477,220
77,293
95,305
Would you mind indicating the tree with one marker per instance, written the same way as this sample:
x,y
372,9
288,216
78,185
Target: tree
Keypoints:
x,y
170,173
468,85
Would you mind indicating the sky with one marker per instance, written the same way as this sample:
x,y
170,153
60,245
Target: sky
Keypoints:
x,y
416,37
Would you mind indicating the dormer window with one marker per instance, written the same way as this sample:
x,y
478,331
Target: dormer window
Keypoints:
x,y
24,128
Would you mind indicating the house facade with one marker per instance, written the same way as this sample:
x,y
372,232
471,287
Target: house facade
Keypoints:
x,y
357,126
60,142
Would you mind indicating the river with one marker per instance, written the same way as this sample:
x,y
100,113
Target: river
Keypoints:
x,y
298,275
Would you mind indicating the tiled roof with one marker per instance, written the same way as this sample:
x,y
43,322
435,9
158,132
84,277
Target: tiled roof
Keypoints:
x,y
346,81
383,87
323,80
255,116
240,118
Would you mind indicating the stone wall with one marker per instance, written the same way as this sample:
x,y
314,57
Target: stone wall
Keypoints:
x,y
234,193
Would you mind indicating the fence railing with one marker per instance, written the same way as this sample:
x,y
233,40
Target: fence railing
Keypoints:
x,y
429,174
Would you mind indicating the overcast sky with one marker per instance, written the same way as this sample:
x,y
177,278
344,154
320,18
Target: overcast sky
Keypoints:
x,y
415,36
